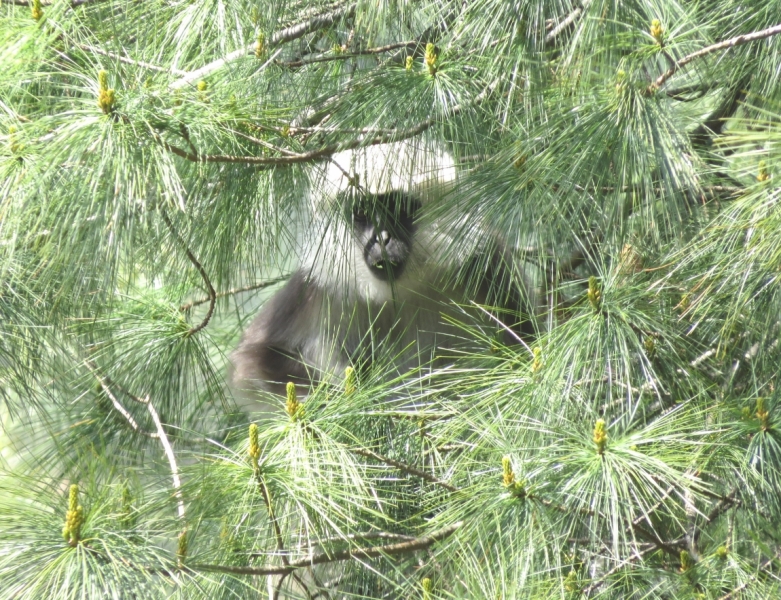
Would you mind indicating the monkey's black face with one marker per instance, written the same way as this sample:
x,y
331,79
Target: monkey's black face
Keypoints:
x,y
385,226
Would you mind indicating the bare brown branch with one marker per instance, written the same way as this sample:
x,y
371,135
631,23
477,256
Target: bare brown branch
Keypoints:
x,y
725,45
201,270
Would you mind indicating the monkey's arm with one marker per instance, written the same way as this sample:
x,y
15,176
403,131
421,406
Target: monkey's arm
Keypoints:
x,y
270,353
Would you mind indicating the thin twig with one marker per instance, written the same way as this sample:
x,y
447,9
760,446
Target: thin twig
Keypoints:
x,y
293,64
129,61
234,291
405,467
186,136
670,547
280,37
352,180
201,270
646,514
725,45
413,545
300,582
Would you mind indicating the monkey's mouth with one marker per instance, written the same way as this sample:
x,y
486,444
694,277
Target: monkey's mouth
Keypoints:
x,y
386,261
386,269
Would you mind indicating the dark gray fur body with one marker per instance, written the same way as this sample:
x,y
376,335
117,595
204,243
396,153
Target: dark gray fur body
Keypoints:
x,y
302,334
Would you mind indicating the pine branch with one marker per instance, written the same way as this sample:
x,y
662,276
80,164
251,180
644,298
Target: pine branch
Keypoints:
x,y
368,535
714,123
293,130
285,35
395,135
672,547
689,93
259,142
451,488
413,545
499,322
169,453
725,45
177,482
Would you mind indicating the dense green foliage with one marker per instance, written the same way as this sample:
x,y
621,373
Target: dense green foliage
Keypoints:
x,y
154,161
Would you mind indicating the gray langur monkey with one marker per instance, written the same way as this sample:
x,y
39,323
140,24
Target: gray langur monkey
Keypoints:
x,y
373,276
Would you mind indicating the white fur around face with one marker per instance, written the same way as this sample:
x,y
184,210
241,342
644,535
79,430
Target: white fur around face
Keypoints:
x,y
408,166
330,254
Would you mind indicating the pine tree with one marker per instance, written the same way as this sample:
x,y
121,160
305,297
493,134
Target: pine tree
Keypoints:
x,y
155,158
